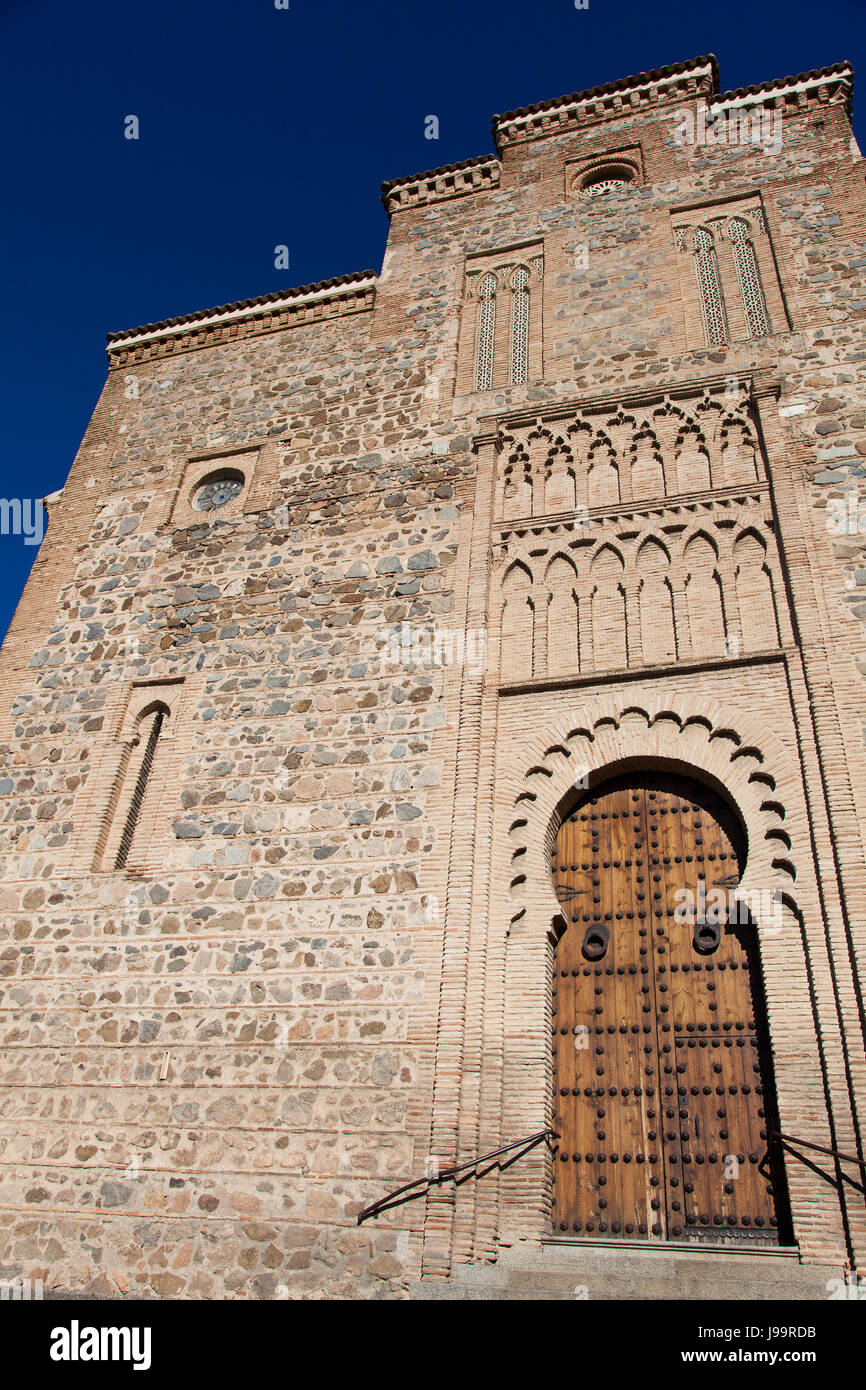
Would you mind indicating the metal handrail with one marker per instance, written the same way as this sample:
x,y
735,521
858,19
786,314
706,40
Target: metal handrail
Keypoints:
x,y
819,1148
451,1171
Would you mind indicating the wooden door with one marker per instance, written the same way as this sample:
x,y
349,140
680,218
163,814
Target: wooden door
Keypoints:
x,y
663,1091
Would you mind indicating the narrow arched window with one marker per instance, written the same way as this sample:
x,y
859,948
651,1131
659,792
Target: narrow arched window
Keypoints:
x,y
486,329
746,262
518,370
710,287
150,740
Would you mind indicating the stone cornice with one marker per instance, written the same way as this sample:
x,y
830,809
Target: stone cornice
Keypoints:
x,y
437,185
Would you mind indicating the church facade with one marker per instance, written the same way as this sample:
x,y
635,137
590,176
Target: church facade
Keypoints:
x,y
434,725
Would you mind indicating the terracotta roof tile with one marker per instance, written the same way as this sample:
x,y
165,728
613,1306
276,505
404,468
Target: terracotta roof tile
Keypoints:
x,y
262,299
621,85
434,173
837,69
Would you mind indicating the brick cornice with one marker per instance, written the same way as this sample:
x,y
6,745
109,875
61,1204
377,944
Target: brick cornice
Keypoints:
x,y
614,678
348,294
823,85
555,522
680,82
438,185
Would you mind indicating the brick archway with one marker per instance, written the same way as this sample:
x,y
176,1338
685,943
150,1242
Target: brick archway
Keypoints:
x,y
754,772
744,762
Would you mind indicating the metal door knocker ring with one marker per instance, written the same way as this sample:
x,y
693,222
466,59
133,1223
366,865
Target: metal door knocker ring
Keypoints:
x,y
707,935
595,942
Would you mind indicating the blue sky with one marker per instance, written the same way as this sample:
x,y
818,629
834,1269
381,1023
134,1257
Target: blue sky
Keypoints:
x,y
262,127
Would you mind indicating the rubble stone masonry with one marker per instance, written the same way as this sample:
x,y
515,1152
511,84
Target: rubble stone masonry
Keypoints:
x,y
323,962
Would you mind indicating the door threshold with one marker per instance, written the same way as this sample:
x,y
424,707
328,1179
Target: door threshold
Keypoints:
x,y
678,1247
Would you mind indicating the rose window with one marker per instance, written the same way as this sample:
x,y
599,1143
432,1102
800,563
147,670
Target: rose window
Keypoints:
x,y
217,490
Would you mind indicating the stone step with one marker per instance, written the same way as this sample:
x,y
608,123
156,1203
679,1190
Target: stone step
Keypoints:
x,y
570,1271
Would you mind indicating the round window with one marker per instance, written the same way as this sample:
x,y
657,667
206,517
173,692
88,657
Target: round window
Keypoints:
x,y
607,179
217,489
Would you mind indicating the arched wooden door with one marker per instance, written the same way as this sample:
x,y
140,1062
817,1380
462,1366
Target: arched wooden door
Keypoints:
x,y
663,1086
